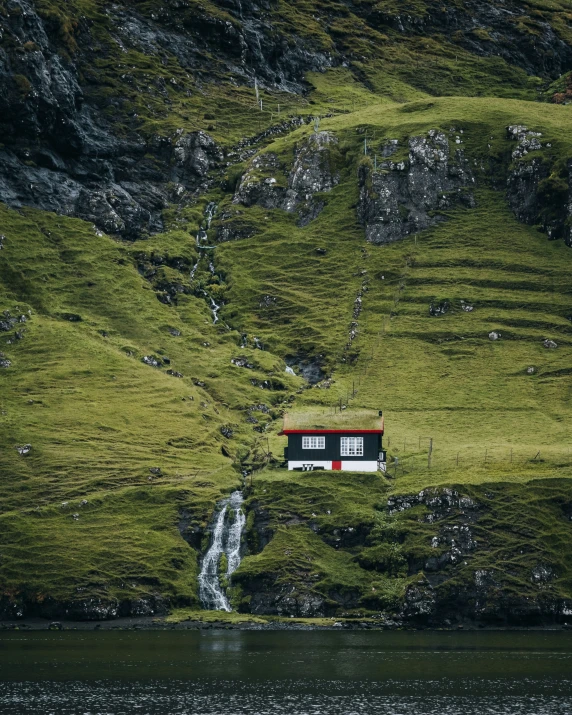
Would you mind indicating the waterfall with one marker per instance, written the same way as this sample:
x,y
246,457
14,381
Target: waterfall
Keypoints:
x,y
208,216
202,236
226,539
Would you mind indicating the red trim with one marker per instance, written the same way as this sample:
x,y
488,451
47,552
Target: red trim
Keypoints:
x,y
336,466
332,431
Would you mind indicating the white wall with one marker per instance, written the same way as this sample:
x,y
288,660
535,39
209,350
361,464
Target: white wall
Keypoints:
x,y
347,466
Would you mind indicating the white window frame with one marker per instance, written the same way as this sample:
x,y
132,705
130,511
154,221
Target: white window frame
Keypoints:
x,y
351,446
313,442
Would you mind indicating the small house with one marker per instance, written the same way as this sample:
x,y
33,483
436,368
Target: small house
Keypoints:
x,y
350,441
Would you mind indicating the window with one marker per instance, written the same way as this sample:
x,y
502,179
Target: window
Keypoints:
x,y
352,446
313,443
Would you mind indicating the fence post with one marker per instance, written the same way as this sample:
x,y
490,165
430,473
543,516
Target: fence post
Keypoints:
x,y
430,452
457,459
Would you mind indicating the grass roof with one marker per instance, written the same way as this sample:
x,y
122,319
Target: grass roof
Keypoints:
x,y
326,418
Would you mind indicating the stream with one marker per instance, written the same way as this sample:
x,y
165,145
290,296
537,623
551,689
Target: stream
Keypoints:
x,y
225,539
201,237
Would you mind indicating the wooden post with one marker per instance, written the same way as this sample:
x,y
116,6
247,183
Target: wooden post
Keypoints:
x,y
404,443
353,388
430,452
419,442
457,459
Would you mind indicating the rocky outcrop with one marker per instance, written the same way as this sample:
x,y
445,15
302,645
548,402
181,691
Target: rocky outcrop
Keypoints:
x,y
314,171
87,609
311,367
270,598
537,194
401,197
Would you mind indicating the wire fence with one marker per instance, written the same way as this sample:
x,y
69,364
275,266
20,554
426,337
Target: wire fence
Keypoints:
x,y
422,454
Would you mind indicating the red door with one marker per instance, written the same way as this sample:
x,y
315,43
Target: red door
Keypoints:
x,y
337,466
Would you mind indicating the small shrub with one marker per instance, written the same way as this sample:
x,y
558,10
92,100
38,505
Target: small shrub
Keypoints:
x,y
23,84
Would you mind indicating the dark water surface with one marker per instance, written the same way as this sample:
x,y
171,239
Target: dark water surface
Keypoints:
x,y
285,673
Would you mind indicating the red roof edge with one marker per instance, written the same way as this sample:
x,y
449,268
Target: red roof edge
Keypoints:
x,y
331,431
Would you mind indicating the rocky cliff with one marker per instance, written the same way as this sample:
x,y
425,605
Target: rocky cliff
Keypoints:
x,y
89,126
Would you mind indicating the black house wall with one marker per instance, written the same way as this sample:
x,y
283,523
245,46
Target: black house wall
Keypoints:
x,y
332,451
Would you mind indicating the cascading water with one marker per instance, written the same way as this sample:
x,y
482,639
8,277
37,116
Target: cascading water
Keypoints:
x,y
209,215
226,539
202,236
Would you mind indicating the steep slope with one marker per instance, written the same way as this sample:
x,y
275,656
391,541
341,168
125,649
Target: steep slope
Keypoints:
x,y
392,247
112,112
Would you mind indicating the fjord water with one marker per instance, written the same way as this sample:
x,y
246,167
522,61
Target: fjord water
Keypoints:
x,y
285,673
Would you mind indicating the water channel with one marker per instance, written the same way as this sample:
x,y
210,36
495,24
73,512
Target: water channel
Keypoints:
x,y
285,673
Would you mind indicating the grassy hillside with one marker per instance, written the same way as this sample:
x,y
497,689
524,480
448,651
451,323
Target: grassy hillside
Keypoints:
x,y
141,412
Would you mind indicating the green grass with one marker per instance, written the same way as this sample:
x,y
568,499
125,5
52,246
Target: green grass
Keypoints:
x,y
99,419
516,526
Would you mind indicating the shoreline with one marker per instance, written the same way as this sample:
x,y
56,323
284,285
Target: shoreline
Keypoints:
x,y
152,623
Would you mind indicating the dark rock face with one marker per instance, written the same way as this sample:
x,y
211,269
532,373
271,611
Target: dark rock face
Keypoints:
x,y
270,599
59,151
39,92
313,172
485,29
404,197
88,609
61,155
533,193
232,226
260,533
310,367
420,601
435,310
190,529
452,588
194,156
